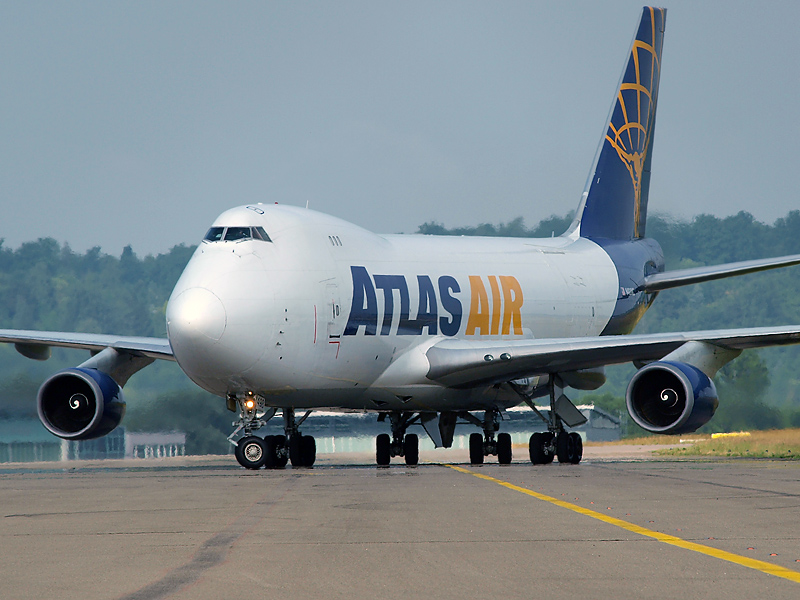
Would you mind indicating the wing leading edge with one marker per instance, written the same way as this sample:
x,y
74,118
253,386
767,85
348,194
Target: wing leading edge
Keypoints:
x,y
461,363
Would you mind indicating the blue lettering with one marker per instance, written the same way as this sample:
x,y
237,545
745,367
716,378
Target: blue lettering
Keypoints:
x,y
388,283
452,305
364,309
427,312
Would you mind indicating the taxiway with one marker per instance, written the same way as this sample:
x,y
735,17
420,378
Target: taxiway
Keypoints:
x,y
205,528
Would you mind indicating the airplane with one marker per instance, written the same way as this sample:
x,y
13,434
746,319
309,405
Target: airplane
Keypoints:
x,y
282,309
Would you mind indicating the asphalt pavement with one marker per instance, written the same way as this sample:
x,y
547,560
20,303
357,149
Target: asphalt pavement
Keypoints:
x,y
619,525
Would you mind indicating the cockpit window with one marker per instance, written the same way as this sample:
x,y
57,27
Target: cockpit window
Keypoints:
x,y
233,234
260,234
237,233
214,234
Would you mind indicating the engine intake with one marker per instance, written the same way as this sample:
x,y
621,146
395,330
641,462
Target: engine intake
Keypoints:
x,y
671,397
80,404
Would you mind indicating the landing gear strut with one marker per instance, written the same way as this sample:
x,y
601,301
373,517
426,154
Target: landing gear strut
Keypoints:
x,y
302,448
400,443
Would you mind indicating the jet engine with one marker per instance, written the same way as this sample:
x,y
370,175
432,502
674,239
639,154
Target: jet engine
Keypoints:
x,y
80,404
671,397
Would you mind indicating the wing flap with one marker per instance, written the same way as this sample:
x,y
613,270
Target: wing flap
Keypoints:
x,y
461,363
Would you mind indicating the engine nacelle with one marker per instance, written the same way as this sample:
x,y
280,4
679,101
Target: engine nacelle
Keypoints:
x,y
671,397
80,404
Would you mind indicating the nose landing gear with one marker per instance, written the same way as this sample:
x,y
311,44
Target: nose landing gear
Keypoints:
x,y
271,451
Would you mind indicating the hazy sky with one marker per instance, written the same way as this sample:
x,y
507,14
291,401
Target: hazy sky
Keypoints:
x,y
138,122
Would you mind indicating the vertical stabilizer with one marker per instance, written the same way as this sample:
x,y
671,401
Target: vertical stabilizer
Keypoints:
x,y
614,203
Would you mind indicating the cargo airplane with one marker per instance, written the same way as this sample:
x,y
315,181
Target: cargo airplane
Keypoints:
x,y
283,310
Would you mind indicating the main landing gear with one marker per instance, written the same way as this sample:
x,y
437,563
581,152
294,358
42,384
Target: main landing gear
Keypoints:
x,y
400,443
487,443
543,447
271,451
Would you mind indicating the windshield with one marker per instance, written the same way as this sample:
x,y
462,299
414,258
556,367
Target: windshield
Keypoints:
x,y
234,234
214,234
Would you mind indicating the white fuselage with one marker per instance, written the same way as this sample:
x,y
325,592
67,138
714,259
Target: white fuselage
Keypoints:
x,y
328,315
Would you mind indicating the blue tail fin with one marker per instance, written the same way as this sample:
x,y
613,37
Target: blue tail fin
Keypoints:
x,y
614,203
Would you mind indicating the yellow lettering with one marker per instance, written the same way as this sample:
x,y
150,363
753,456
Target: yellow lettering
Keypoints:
x,y
478,307
495,304
512,305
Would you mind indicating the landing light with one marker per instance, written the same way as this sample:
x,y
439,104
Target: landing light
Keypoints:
x,y
250,404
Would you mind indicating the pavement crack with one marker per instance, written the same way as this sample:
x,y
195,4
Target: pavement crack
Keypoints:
x,y
210,554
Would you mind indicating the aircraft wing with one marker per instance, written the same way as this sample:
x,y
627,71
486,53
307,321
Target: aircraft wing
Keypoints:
x,y
27,341
463,363
670,279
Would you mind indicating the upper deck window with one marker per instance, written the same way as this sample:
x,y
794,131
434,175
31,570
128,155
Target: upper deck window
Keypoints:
x,y
234,234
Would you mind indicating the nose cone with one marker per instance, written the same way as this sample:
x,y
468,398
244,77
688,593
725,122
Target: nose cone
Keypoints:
x,y
195,317
196,320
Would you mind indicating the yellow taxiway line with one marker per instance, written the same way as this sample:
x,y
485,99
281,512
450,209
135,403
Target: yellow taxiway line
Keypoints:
x,y
750,563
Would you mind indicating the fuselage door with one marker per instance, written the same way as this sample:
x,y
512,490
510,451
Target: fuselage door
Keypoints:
x,y
333,307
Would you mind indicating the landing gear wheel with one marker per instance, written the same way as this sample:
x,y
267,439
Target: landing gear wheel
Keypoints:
x,y
251,452
536,449
476,448
308,450
569,448
578,448
540,449
547,441
271,446
383,450
504,448
411,448
302,450
281,452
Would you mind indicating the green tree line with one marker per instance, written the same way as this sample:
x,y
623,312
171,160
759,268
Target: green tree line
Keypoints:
x,y
48,286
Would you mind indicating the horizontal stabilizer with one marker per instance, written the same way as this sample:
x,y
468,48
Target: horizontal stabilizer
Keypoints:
x,y
671,279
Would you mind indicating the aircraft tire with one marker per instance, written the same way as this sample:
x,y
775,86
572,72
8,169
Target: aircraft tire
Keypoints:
x,y
504,452
308,450
251,452
411,448
536,449
567,448
476,449
383,450
295,450
578,443
270,445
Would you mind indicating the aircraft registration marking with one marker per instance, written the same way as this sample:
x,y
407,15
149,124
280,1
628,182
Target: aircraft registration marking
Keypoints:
x,y
750,563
